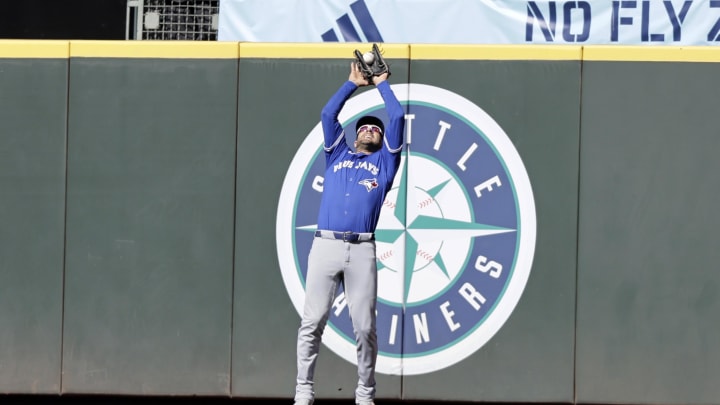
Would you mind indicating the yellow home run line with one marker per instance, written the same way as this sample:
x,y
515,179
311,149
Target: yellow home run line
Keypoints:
x,y
34,49
495,52
651,53
154,49
232,50
321,50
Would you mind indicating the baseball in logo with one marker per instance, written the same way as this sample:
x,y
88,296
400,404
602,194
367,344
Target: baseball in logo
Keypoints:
x,y
455,240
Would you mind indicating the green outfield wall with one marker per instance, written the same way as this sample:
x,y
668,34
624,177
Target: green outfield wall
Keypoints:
x,y
560,207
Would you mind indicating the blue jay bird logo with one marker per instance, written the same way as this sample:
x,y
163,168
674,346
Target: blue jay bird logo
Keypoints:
x,y
369,184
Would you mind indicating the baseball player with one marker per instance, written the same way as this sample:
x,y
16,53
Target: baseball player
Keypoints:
x,y
343,250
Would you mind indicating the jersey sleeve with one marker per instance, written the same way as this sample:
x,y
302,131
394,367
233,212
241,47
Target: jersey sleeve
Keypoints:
x,y
332,130
394,133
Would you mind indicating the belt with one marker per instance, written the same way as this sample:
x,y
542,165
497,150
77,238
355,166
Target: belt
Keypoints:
x,y
346,236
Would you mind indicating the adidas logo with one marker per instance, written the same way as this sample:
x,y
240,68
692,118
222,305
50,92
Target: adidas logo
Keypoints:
x,y
347,29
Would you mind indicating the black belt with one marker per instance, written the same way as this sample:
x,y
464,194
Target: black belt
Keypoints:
x,y
345,236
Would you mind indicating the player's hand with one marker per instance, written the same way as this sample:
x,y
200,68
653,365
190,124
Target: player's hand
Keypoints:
x,y
380,78
356,76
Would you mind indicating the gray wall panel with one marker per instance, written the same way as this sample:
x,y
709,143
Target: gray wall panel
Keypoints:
x,y
33,111
647,289
531,356
149,233
277,108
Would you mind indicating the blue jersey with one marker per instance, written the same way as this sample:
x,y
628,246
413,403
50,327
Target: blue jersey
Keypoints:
x,y
355,184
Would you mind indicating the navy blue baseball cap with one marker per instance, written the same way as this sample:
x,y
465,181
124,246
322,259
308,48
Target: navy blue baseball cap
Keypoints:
x,y
370,120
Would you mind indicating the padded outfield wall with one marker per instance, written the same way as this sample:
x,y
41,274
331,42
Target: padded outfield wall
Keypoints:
x,y
549,237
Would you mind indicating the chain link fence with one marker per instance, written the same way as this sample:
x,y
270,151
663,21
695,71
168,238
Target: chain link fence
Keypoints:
x,y
188,20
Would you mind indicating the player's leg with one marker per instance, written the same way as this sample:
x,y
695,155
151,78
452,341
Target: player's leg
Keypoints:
x,y
361,294
324,265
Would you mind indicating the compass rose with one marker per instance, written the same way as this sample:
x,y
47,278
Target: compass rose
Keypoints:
x,y
421,215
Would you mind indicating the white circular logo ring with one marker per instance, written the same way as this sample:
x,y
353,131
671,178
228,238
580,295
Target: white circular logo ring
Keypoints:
x,y
455,239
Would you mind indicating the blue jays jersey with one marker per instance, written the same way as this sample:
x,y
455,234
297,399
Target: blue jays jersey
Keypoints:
x,y
355,184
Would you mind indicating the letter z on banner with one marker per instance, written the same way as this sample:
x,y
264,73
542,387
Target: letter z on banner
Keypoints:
x,y
455,240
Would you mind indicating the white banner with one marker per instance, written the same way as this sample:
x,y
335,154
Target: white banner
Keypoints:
x,y
621,22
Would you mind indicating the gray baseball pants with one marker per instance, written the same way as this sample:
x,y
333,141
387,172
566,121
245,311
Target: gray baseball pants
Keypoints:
x,y
331,261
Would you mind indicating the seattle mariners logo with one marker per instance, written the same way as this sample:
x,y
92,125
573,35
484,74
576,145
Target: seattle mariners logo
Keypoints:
x,y
455,240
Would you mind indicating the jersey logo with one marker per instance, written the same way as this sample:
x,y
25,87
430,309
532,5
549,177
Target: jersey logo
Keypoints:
x,y
455,239
369,184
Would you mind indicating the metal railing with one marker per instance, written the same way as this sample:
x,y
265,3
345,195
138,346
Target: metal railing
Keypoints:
x,y
188,20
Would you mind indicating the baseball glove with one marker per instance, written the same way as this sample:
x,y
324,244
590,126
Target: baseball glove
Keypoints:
x,y
376,68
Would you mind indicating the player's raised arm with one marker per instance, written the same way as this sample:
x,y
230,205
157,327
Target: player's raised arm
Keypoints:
x,y
394,133
329,116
